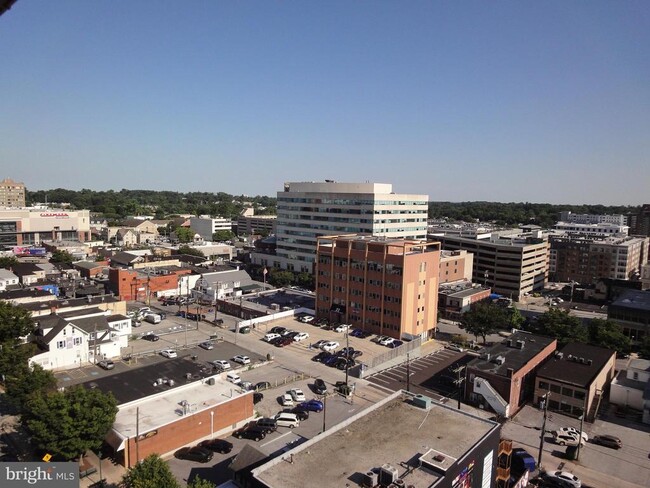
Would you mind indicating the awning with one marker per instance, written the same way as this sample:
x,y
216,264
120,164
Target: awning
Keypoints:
x,y
116,440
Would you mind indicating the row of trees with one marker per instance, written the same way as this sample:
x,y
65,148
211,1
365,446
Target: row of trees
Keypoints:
x,y
119,204
486,318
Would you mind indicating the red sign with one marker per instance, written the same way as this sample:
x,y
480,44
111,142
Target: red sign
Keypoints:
x,y
59,215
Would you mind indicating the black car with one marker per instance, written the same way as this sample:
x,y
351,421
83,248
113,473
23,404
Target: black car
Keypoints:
x,y
322,356
257,398
217,445
196,454
301,413
278,330
151,337
267,424
254,433
320,387
344,363
608,441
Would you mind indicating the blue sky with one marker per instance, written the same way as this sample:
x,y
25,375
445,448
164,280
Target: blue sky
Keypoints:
x,y
498,101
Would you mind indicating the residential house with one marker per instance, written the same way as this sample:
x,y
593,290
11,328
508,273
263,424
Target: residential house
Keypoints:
x,y
8,279
631,388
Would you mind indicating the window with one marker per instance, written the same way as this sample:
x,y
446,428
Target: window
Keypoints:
x,y
78,341
555,388
543,385
60,345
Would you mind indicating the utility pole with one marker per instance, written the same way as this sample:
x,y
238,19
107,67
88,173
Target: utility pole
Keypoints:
x,y
324,410
459,381
408,372
541,442
347,344
582,425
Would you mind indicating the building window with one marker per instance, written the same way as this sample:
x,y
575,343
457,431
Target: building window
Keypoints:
x,y
555,389
580,395
78,341
60,345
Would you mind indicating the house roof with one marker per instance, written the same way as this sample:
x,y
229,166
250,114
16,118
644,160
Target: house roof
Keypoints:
x,y
248,457
567,367
124,258
22,293
91,324
515,357
25,269
89,265
5,274
83,312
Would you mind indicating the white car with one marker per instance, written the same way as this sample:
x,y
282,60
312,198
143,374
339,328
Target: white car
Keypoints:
x,y
241,359
307,319
454,347
286,400
342,328
222,364
329,346
566,478
566,439
297,395
573,431
168,353
271,336
301,336
386,340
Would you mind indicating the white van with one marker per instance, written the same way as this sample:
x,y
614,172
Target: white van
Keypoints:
x,y
234,378
286,419
152,318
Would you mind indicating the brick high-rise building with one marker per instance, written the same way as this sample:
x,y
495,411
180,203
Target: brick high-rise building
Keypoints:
x,y
384,286
12,193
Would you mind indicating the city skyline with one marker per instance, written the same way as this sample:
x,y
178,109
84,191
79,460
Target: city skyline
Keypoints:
x,y
503,102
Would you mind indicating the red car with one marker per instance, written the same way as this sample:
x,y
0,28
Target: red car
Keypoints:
x,y
283,341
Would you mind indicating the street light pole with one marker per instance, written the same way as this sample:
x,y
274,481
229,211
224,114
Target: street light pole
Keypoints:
x,y
408,372
541,442
582,424
324,410
347,344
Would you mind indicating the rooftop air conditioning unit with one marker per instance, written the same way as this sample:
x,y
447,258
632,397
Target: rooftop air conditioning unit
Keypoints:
x,y
520,344
500,360
369,479
387,475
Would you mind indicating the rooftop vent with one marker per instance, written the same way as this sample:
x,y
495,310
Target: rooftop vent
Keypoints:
x,y
521,344
387,474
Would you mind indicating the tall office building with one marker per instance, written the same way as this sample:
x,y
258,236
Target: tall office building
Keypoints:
x,y
12,193
307,211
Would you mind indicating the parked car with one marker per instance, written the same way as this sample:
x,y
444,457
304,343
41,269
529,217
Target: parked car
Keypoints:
x,y
286,400
386,340
454,347
322,356
318,344
320,387
297,395
257,398
196,454
106,364
395,344
566,478
169,353
342,327
268,424
343,363
301,336
254,433
207,345
330,346
270,337
262,385
307,319
282,341
287,333
151,337
221,364
312,405
299,412
241,359
566,439
285,419
573,431
608,441
278,330
221,446
234,378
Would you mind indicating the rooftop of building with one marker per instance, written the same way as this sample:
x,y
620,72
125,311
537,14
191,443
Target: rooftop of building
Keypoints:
x,y
22,293
409,245
393,432
69,302
633,299
517,351
576,364
639,364
461,291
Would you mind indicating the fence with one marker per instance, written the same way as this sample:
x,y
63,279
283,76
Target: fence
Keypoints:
x,y
391,356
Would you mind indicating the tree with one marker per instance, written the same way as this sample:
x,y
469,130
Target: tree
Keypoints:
x,y
71,422
23,381
483,319
644,350
184,234
61,256
152,472
190,251
305,280
564,327
7,262
515,319
223,235
200,483
608,334
15,322
280,278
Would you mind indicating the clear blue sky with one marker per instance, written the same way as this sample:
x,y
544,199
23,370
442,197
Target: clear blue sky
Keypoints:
x,y
500,101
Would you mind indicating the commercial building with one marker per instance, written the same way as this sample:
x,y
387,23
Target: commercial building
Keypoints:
x,y
616,219
30,226
455,266
397,442
146,283
250,224
601,229
587,259
382,285
307,211
503,378
454,299
511,263
640,221
576,377
206,226
631,388
12,193
631,311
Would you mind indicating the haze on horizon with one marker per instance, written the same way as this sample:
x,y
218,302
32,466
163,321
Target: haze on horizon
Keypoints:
x,y
508,101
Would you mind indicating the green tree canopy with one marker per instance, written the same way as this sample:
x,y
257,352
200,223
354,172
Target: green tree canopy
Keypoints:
x,y
198,482
483,319
515,318
608,334
305,280
61,256
183,234
7,262
151,472
15,322
71,422
222,235
22,381
644,350
190,251
280,278
564,327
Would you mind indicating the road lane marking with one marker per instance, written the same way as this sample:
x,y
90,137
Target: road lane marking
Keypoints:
x,y
276,439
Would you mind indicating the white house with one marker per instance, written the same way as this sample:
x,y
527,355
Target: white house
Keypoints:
x,y
631,388
7,278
